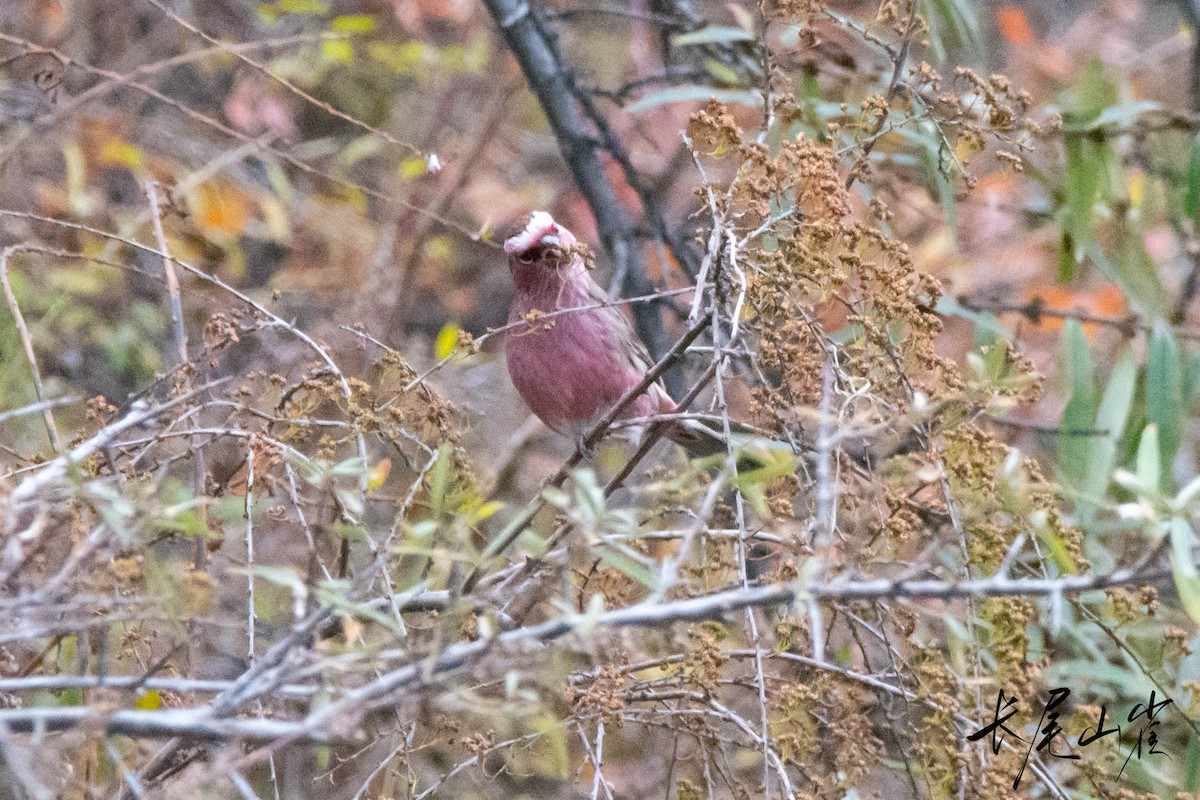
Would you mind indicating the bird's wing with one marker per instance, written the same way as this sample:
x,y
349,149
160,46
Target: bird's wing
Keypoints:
x,y
631,348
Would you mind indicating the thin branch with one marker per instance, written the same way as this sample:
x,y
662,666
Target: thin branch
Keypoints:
x,y
510,533
218,126
159,724
47,408
285,83
179,328
35,408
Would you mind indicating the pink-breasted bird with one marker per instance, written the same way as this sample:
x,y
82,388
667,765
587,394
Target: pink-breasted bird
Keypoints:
x,y
572,368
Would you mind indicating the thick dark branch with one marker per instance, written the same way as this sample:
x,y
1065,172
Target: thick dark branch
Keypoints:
x,y
610,142
540,64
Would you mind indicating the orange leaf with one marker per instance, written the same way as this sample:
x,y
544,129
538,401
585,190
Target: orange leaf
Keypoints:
x,y
1105,300
222,209
1014,25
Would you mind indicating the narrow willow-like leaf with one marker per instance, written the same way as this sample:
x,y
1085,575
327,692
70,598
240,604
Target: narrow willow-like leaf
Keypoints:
x,y
1149,472
1187,578
1164,393
1111,417
680,94
1080,411
714,34
1191,383
1191,196
1084,169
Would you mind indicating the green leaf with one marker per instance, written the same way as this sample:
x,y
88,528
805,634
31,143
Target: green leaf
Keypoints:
x,y
1191,780
1066,253
1191,383
1164,393
437,483
962,19
715,34
954,22
349,499
687,94
1080,411
359,148
1091,94
1191,197
353,466
188,522
588,496
1111,417
630,568
1084,167
1113,115
721,72
1148,458
1187,578
1134,271
552,758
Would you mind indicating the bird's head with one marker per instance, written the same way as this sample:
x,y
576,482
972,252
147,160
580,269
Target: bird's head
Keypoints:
x,y
539,251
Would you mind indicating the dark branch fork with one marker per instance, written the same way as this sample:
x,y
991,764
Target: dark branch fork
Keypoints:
x,y
568,115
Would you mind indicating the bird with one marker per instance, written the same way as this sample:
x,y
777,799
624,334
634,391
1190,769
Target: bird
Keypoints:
x,y
572,355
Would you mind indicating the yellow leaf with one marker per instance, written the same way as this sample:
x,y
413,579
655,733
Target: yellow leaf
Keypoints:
x,y
303,6
378,474
486,510
338,51
413,168
1137,188
353,23
275,217
438,248
77,193
549,757
149,701
447,339
351,630
118,153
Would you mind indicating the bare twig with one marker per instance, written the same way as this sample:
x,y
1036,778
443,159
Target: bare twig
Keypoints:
x,y
183,362
287,84
46,408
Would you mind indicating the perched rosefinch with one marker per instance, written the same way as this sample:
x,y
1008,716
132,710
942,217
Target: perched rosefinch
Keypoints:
x,y
572,368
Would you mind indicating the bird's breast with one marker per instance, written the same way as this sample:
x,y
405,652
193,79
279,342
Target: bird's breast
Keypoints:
x,y
568,367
